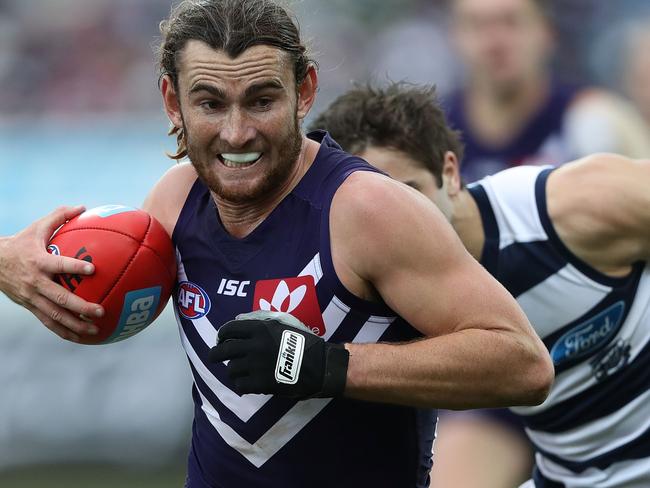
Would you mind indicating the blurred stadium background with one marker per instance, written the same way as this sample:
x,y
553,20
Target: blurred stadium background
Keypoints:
x,y
81,122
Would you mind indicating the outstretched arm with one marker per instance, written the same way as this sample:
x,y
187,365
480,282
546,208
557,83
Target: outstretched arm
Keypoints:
x,y
479,349
26,271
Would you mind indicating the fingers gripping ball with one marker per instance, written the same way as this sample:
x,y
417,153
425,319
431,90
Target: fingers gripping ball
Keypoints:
x,y
135,267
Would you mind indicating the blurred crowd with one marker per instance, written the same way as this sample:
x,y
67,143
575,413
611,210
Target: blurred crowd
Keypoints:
x,y
95,56
88,61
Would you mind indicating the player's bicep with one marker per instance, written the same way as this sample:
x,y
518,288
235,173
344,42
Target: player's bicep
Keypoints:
x,y
405,248
439,288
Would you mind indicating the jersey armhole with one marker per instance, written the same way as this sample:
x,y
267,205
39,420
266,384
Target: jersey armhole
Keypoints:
x,y
490,253
188,209
554,239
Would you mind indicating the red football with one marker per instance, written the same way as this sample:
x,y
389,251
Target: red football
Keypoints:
x,y
135,267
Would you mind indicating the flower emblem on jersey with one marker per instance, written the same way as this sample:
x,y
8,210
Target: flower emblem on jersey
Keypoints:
x,y
296,296
192,301
589,336
284,300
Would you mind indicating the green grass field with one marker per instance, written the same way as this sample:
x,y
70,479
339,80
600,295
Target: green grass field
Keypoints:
x,y
92,476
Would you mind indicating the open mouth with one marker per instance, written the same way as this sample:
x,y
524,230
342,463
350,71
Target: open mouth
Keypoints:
x,y
239,160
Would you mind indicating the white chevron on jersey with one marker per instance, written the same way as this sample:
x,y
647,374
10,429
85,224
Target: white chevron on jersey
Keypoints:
x,y
333,315
373,329
275,438
313,269
203,326
245,406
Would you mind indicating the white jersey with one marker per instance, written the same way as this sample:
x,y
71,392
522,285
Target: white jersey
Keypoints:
x,y
594,428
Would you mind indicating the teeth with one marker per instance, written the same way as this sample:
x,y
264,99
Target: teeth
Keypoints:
x,y
232,160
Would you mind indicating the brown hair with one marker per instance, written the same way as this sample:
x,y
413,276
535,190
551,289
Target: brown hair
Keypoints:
x,y
232,26
404,117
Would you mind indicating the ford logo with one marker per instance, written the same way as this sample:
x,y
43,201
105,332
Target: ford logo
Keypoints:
x,y
589,336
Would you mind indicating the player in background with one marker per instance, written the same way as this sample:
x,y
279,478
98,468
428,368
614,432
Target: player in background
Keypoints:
x,y
636,64
572,245
398,322
512,110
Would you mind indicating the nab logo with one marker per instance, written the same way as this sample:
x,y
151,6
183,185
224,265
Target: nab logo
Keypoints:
x,y
193,302
138,312
296,296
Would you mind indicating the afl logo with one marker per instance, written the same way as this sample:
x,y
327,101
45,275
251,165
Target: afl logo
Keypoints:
x,y
53,249
193,302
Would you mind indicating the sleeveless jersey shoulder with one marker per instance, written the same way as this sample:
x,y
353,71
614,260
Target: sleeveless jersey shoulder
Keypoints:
x,y
594,326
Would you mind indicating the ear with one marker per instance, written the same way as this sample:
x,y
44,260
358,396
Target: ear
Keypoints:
x,y
451,174
171,101
307,92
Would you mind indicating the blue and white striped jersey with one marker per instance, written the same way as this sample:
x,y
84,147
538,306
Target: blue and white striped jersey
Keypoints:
x,y
593,431
285,264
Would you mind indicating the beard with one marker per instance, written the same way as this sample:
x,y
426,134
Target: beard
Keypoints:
x,y
288,150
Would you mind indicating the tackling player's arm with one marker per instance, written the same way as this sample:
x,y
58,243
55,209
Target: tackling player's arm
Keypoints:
x,y
600,208
26,271
479,349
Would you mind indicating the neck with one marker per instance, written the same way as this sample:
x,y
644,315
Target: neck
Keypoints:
x,y
466,221
241,218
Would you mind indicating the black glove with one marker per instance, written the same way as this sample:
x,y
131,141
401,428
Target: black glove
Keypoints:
x,y
275,353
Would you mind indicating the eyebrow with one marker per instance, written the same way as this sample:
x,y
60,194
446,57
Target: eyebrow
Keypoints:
x,y
265,85
212,90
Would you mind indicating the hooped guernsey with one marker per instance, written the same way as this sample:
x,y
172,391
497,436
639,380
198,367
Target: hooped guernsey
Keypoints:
x,y
593,430
285,265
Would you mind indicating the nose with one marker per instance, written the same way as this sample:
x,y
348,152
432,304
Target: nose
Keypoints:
x,y
237,130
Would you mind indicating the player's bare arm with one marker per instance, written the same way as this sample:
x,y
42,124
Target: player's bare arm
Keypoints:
x,y
479,349
166,198
613,231
26,271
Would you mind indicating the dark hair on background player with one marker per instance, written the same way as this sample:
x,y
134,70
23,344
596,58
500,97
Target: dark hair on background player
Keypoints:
x,y
232,26
401,116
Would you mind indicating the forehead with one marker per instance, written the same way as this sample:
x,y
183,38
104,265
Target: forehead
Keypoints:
x,y
200,63
396,163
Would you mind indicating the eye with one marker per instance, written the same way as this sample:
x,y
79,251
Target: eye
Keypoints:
x,y
263,102
210,105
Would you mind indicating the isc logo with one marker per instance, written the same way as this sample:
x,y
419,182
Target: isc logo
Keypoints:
x,y
139,309
230,288
193,302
